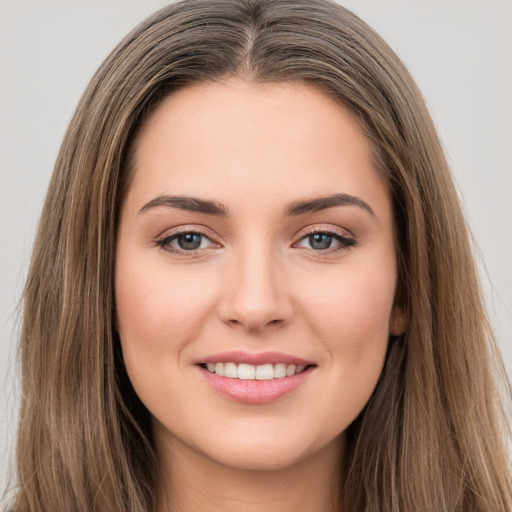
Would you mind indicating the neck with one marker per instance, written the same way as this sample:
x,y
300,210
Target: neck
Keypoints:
x,y
193,482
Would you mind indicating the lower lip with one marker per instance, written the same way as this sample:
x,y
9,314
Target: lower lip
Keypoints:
x,y
255,391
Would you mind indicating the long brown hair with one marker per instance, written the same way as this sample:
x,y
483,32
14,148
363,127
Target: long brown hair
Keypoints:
x,y
84,440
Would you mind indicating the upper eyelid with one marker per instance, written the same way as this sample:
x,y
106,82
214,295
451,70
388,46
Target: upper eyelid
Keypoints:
x,y
200,230
324,229
206,232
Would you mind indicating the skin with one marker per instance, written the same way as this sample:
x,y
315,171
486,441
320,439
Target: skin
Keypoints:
x,y
255,284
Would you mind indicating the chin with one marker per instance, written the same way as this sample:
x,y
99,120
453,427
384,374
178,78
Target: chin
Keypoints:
x,y
259,460
266,450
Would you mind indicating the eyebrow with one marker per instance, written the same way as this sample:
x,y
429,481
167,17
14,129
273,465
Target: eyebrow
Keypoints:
x,y
194,204
323,203
191,204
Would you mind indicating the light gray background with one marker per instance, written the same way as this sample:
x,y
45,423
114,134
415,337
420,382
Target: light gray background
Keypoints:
x,y
459,51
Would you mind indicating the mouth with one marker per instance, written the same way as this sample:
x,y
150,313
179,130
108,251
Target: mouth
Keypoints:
x,y
255,378
244,371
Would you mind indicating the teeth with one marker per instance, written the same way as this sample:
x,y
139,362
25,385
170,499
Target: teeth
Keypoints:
x,y
246,371
264,372
219,368
250,372
279,371
230,370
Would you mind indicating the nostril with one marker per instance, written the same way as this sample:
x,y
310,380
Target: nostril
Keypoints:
x,y
255,325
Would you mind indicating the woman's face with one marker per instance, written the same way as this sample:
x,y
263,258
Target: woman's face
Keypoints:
x,y
255,273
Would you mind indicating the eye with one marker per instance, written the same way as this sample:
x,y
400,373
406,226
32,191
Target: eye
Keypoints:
x,y
185,242
326,241
320,241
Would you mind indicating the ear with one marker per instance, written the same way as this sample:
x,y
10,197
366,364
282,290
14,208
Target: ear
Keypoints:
x,y
398,321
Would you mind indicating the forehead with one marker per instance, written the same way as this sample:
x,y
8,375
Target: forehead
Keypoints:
x,y
235,138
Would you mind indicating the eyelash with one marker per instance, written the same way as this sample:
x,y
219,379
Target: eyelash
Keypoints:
x,y
164,243
345,241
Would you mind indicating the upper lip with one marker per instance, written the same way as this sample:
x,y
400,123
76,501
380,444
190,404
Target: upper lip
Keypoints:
x,y
254,358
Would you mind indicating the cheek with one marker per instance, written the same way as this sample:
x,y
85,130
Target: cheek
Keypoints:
x,y
159,297
351,310
349,318
159,311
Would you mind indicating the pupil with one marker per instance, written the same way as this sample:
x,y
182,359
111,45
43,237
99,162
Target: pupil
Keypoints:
x,y
189,241
320,241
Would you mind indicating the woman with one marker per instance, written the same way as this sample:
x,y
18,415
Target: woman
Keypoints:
x,y
252,286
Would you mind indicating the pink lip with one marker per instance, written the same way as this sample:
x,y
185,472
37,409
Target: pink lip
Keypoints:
x,y
255,391
254,358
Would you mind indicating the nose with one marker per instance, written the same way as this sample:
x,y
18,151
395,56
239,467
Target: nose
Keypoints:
x,y
256,296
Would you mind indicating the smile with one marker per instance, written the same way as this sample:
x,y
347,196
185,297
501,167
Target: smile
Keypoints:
x,y
253,378
252,372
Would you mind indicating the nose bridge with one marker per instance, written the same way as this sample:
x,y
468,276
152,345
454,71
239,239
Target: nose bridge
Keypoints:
x,y
258,296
